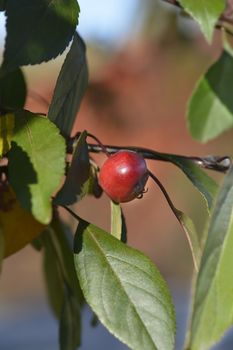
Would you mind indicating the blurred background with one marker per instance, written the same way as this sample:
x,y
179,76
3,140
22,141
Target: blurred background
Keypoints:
x,y
144,60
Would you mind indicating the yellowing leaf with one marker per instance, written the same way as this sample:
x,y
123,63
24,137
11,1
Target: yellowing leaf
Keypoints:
x,y
18,226
6,132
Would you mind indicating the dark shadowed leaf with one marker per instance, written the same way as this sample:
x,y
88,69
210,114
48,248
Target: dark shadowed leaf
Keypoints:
x,y
213,313
77,181
2,5
94,188
53,275
124,289
94,321
7,123
63,242
13,90
2,247
211,106
38,30
70,324
70,87
36,163
205,12
63,288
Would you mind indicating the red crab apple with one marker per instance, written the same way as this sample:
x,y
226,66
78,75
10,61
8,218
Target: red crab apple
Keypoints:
x,y
123,176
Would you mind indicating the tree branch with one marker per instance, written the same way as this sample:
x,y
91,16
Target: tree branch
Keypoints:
x,y
217,163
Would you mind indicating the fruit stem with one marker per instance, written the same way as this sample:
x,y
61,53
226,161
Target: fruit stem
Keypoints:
x,y
39,98
101,145
177,213
72,213
166,195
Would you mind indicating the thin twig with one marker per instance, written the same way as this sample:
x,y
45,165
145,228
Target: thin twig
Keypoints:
x,y
176,212
217,163
71,212
37,97
102,146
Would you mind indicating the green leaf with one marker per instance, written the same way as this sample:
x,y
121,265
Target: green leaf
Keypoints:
x,y
13,90
213,313
116,222
63,243
70,87
70,292
70,324
36,163
64,292
7,122
38,30
191,235
204,183
118,226
205,12
185,222
59,265
211,106
77,181
124,289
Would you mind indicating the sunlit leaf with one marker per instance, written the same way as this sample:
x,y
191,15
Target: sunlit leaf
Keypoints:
x,y
70,87
7,122
124,289
36,163
118,225
205,12
76,185
116,222
211,106
38,30
191,235
213,313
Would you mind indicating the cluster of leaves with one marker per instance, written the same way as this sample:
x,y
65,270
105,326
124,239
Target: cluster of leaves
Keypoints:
x,y
123,287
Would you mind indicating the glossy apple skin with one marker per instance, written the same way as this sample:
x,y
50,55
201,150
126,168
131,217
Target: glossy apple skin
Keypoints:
x,y
123,176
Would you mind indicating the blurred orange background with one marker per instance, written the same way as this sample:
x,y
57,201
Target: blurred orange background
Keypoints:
x,y
140,83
